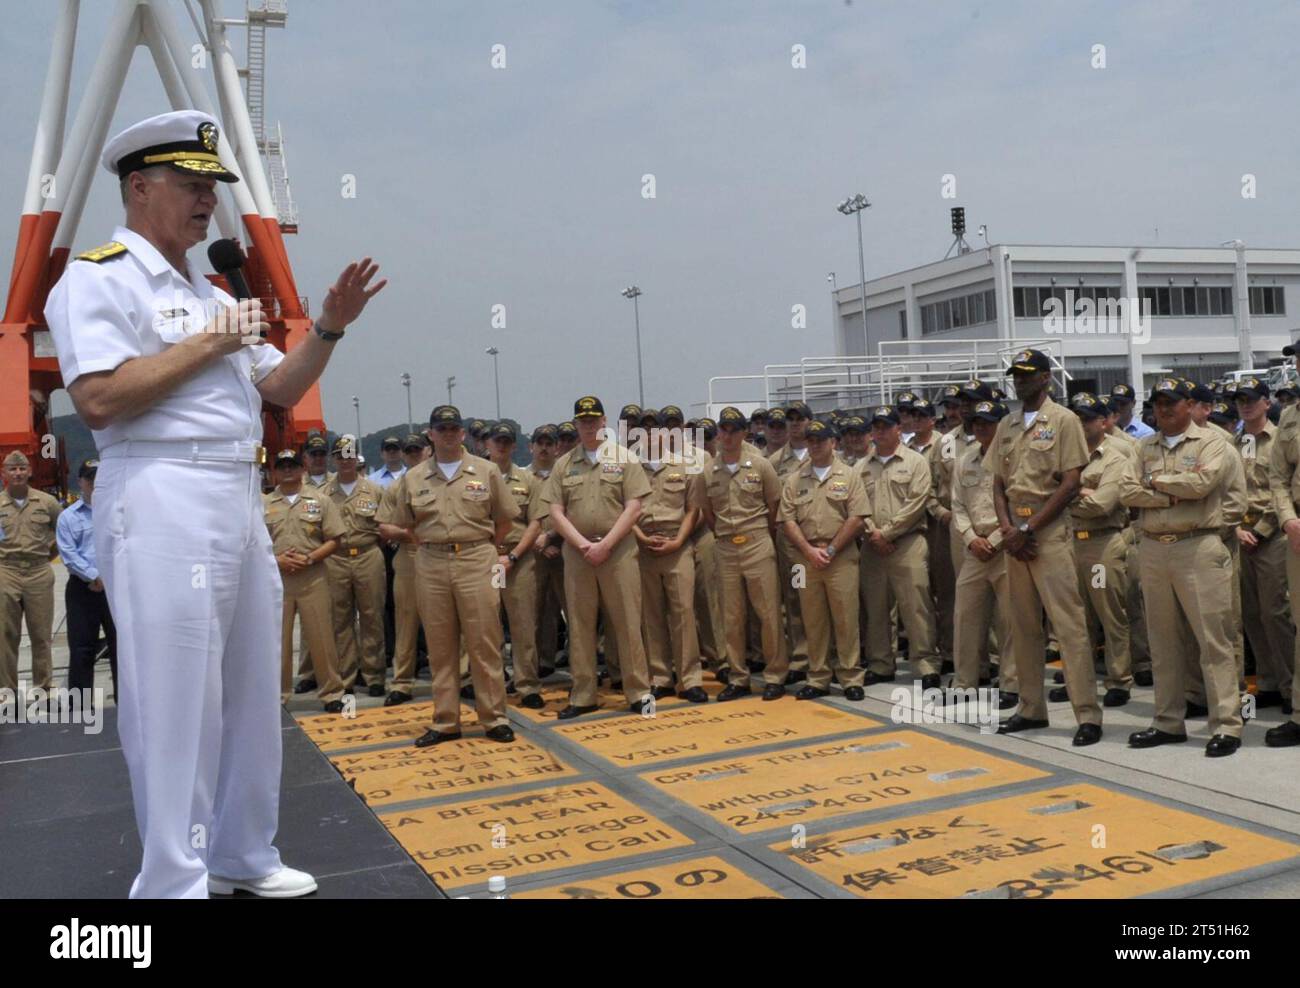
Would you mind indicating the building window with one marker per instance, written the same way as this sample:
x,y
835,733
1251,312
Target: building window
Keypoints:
x,y
1267,300
956,313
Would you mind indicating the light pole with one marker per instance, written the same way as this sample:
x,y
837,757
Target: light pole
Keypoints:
x,y
854,207
356,403
634,293
493,352
451,383
410,422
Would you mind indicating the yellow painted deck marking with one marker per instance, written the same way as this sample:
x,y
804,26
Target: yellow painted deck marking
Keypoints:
x,y
379,725
696,878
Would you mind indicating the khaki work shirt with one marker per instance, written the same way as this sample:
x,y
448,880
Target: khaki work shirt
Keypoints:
x,y
819,507
899,491
306,525
593,495
943,456
1257,455
465,508
29,530
973,514
526,489
1193,471
785,462
739,501
674,491
359,511
1283,477
1102,508
1031,462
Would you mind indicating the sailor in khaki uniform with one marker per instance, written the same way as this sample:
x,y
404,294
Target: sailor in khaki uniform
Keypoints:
x,y
305,529
823,508
457,509
928,441
595,494
708,594
1040,453
981,598
356,571
316,471
1284,482
550,558
742,495
1265,610
27,518
669,515
406,613
1186,569
786,460
895,556
520,596
1098,521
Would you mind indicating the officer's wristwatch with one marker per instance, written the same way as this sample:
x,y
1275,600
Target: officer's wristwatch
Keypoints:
x,y
830,552
512,557
328,337
1024,529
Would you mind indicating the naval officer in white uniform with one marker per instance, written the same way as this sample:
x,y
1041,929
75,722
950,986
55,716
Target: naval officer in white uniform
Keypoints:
x,y
170,374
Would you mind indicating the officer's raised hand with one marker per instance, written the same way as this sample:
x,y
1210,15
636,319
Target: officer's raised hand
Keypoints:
x,y
348,296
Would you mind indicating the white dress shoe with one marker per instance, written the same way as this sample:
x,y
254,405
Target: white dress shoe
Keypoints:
x,y
286,883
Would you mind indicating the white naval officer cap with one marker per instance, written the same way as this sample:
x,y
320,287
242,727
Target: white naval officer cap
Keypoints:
x,y
185,140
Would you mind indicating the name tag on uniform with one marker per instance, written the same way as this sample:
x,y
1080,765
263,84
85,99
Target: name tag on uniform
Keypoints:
x,y
611,469
178,321
519,490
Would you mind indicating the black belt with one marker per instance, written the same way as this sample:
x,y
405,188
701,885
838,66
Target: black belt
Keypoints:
x,y
1170,537
453,546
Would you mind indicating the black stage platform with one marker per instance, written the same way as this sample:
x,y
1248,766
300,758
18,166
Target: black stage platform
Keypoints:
x,y
68,831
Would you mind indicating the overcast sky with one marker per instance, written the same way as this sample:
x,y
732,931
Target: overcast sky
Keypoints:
x,y
522,186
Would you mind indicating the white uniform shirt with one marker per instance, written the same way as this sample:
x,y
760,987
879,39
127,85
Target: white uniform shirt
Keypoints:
x,y
136,305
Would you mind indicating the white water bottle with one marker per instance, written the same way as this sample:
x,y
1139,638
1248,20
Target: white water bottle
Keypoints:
x,y
497,887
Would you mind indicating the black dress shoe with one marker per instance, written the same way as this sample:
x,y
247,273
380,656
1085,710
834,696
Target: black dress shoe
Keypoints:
x,y
1151,738
571,711
304,685
350,690
722,675
545,671
510,688
773,691
639,706
931,682
1058,678
1115,697
396,697
1286,707
616,684
1018,723
854,693
734,691
795,676
1220,745
467,692
1007,700
1283,736
1052,655
334,707
1143,677
659,692
376,689
501,734
1087,734
871,678
809,692
1058,694
432,737
695,694
947,667
1195,710
533,701
1267,698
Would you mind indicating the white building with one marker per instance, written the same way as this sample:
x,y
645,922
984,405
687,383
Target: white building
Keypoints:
x,y
1200,324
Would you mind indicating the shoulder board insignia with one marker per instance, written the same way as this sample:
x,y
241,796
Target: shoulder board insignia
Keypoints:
x,y
110,249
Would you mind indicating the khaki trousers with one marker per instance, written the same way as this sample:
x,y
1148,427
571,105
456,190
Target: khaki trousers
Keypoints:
x,y
550,592
796,638
520,597
456,600
981,602
1293,593
1102,564
27,591
357,587
614,586
406,617
902,578
708,600
748,572
1190,578
1266,615
1049,582
668,618
307,595
943,583
829,600
1139,648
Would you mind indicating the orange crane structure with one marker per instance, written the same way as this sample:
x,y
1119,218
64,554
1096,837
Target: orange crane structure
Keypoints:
x,y
58,182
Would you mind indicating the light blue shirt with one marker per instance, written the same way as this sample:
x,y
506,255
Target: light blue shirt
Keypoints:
x,y
75,534
1139,430
383,476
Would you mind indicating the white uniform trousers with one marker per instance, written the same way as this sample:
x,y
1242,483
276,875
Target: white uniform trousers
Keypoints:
x,y
194,589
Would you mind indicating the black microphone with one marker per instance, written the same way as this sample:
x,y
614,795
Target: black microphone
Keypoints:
x,y
227,259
